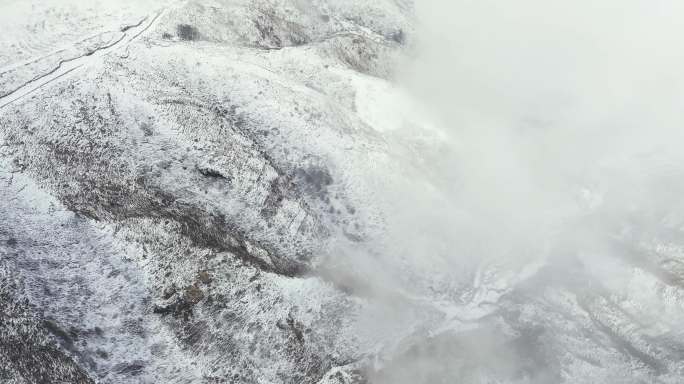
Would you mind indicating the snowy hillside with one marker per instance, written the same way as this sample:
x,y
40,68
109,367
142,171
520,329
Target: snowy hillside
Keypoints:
x,y
243,191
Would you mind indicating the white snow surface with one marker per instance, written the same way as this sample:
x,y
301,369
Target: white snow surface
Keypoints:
x,y
211,192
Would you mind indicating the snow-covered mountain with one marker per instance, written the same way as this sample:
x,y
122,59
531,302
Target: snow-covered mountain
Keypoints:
x,y
243,191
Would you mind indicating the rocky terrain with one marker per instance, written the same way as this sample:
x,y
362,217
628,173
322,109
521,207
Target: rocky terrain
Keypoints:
x,y
201,191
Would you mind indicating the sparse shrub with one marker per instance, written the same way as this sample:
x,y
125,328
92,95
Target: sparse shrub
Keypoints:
x,y
187,32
